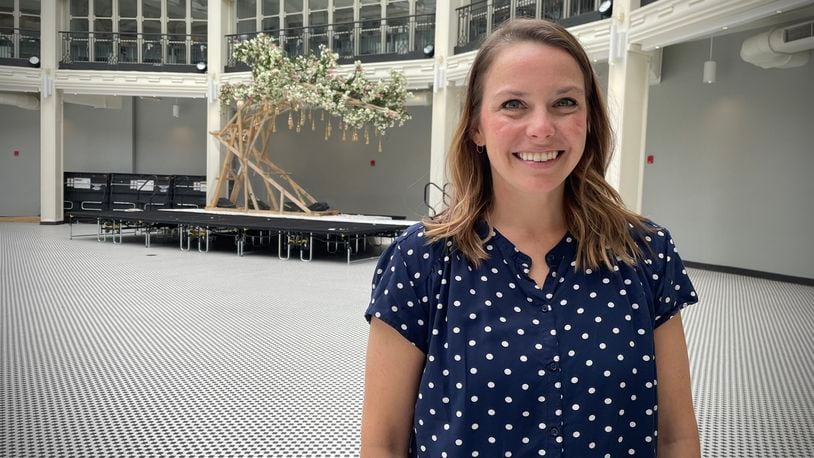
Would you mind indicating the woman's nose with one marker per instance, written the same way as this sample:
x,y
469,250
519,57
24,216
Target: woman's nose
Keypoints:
x,y
540,125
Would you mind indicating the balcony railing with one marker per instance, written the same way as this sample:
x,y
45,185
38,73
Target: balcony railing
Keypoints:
x,y
478,19
133,51
399,38
17,46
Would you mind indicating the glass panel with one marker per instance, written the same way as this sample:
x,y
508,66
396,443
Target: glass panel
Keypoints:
x,y
7,6
246,9
176,9
501,12
581,7
271,23
7,21
199,29
397,39
177,49
102,25
342,42
30,23
128,8
317,4
318,18
526,8
249,25
398,9
79,7
177,27
30,6
293,6
198,9
103,8
151,27
293,21
371,32
29,45
79,25
128,26
197,50
293,35
552,10
370,12
271,7
151,8
343,4
343,15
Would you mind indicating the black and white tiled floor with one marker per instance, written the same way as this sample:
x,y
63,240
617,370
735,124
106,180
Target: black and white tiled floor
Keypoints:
x,y
112,350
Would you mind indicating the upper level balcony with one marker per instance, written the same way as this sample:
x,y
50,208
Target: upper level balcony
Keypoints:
x,y
18,46
477,20
153,52
389,39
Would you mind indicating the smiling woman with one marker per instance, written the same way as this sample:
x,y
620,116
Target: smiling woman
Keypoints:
x,y
527,318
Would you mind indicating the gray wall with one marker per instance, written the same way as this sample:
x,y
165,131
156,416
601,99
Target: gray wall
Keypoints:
x,y
733,176
19,176
168,145
340,173
98,139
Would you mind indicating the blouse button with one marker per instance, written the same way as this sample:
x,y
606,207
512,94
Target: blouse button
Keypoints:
x,y
546,308
555,431
554,367
550,258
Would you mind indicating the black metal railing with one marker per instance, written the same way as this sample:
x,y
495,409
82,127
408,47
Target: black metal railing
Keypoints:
x,y
18,45
647,2
397,38
478,19
132,51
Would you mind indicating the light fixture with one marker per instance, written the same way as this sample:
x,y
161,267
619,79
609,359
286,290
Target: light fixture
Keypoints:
x,y
201,66
429,51
176,109
605,9
34,61
710,66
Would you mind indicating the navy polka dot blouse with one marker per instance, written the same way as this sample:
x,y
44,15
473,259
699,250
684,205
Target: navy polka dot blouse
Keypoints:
x,y
517,370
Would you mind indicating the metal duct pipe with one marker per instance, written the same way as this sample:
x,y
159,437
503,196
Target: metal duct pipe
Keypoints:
x,y
24,101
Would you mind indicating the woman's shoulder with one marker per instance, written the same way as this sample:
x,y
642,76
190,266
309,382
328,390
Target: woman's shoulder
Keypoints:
x,y
652,237
415,245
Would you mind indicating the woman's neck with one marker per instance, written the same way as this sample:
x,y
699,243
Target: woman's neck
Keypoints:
x,y
529,216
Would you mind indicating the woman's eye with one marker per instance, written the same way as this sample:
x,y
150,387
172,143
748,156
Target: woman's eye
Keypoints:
x,y
566,103
512,104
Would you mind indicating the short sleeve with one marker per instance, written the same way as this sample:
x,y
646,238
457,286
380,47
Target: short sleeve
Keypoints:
x,y
671,286
400,293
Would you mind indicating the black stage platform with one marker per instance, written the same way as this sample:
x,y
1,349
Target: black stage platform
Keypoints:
x,y
339,234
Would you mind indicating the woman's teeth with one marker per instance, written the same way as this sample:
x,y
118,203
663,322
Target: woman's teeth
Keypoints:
x,y
538,157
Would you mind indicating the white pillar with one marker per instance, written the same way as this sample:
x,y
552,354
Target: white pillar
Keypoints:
x,y
51,199
445,109
628,89
218,15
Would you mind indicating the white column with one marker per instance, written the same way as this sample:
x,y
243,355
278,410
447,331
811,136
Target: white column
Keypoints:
x,y
51,200
445,110
218,14
628,89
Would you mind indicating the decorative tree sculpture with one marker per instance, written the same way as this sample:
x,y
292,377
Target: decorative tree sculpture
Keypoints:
x,y
295,86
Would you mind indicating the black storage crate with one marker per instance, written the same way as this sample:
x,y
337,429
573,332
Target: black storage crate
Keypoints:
x,y
86,191
189,191
132,191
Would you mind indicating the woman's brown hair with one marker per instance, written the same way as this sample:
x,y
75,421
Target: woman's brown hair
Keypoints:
x,y
594,212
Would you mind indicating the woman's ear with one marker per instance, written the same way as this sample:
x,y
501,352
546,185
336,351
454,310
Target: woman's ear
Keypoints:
x,y
477,137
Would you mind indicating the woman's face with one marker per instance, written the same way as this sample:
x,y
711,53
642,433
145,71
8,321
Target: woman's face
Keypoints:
x,y
532,119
